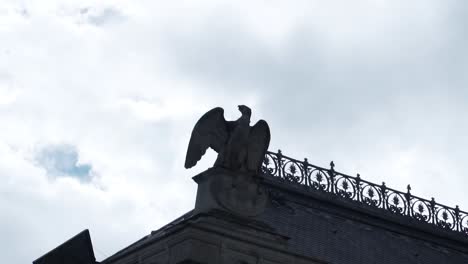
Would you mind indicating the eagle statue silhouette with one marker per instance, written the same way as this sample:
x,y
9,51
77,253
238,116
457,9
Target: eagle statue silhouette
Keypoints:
x,y
240,147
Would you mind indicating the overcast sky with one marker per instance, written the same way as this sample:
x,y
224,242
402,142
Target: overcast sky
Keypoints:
x,y
98,100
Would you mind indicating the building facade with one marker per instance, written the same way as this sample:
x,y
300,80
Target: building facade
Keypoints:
x,y
295,212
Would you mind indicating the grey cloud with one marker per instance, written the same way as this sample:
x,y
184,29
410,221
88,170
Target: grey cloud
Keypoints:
x,y
23,12
403,87
5,76
62,160
102,17
331,82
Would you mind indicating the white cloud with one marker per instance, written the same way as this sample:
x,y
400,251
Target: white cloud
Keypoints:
x,y
7,96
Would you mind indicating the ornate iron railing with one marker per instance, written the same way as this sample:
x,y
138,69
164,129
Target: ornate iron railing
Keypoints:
x,y
365,192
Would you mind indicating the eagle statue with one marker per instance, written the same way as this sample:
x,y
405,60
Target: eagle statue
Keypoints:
x,y
240,147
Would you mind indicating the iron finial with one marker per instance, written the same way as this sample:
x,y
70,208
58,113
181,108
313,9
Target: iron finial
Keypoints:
x,y
279,152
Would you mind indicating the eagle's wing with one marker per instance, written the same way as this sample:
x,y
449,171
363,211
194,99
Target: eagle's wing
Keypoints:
x,y
259,140
210,131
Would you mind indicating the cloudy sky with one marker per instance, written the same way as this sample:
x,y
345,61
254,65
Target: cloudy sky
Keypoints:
x,y
98,99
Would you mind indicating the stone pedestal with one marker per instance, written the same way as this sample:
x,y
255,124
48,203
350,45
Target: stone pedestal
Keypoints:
x,y
222,229
237,192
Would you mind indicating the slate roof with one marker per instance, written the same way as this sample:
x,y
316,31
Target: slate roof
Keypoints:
x,y
76,250
152,237
340,232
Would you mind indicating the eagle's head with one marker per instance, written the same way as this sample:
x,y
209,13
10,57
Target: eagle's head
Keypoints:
x,y
245,110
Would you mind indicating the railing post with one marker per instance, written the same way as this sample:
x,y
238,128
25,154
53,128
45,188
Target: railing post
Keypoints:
x,y
408,200
457,218
383,190
331,173
433,212
305,165
279,156
358,188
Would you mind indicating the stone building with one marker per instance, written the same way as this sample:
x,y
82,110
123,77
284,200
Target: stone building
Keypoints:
x,y
294,212
289,211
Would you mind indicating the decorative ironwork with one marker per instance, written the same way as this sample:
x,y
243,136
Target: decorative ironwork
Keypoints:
x,y
362,191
